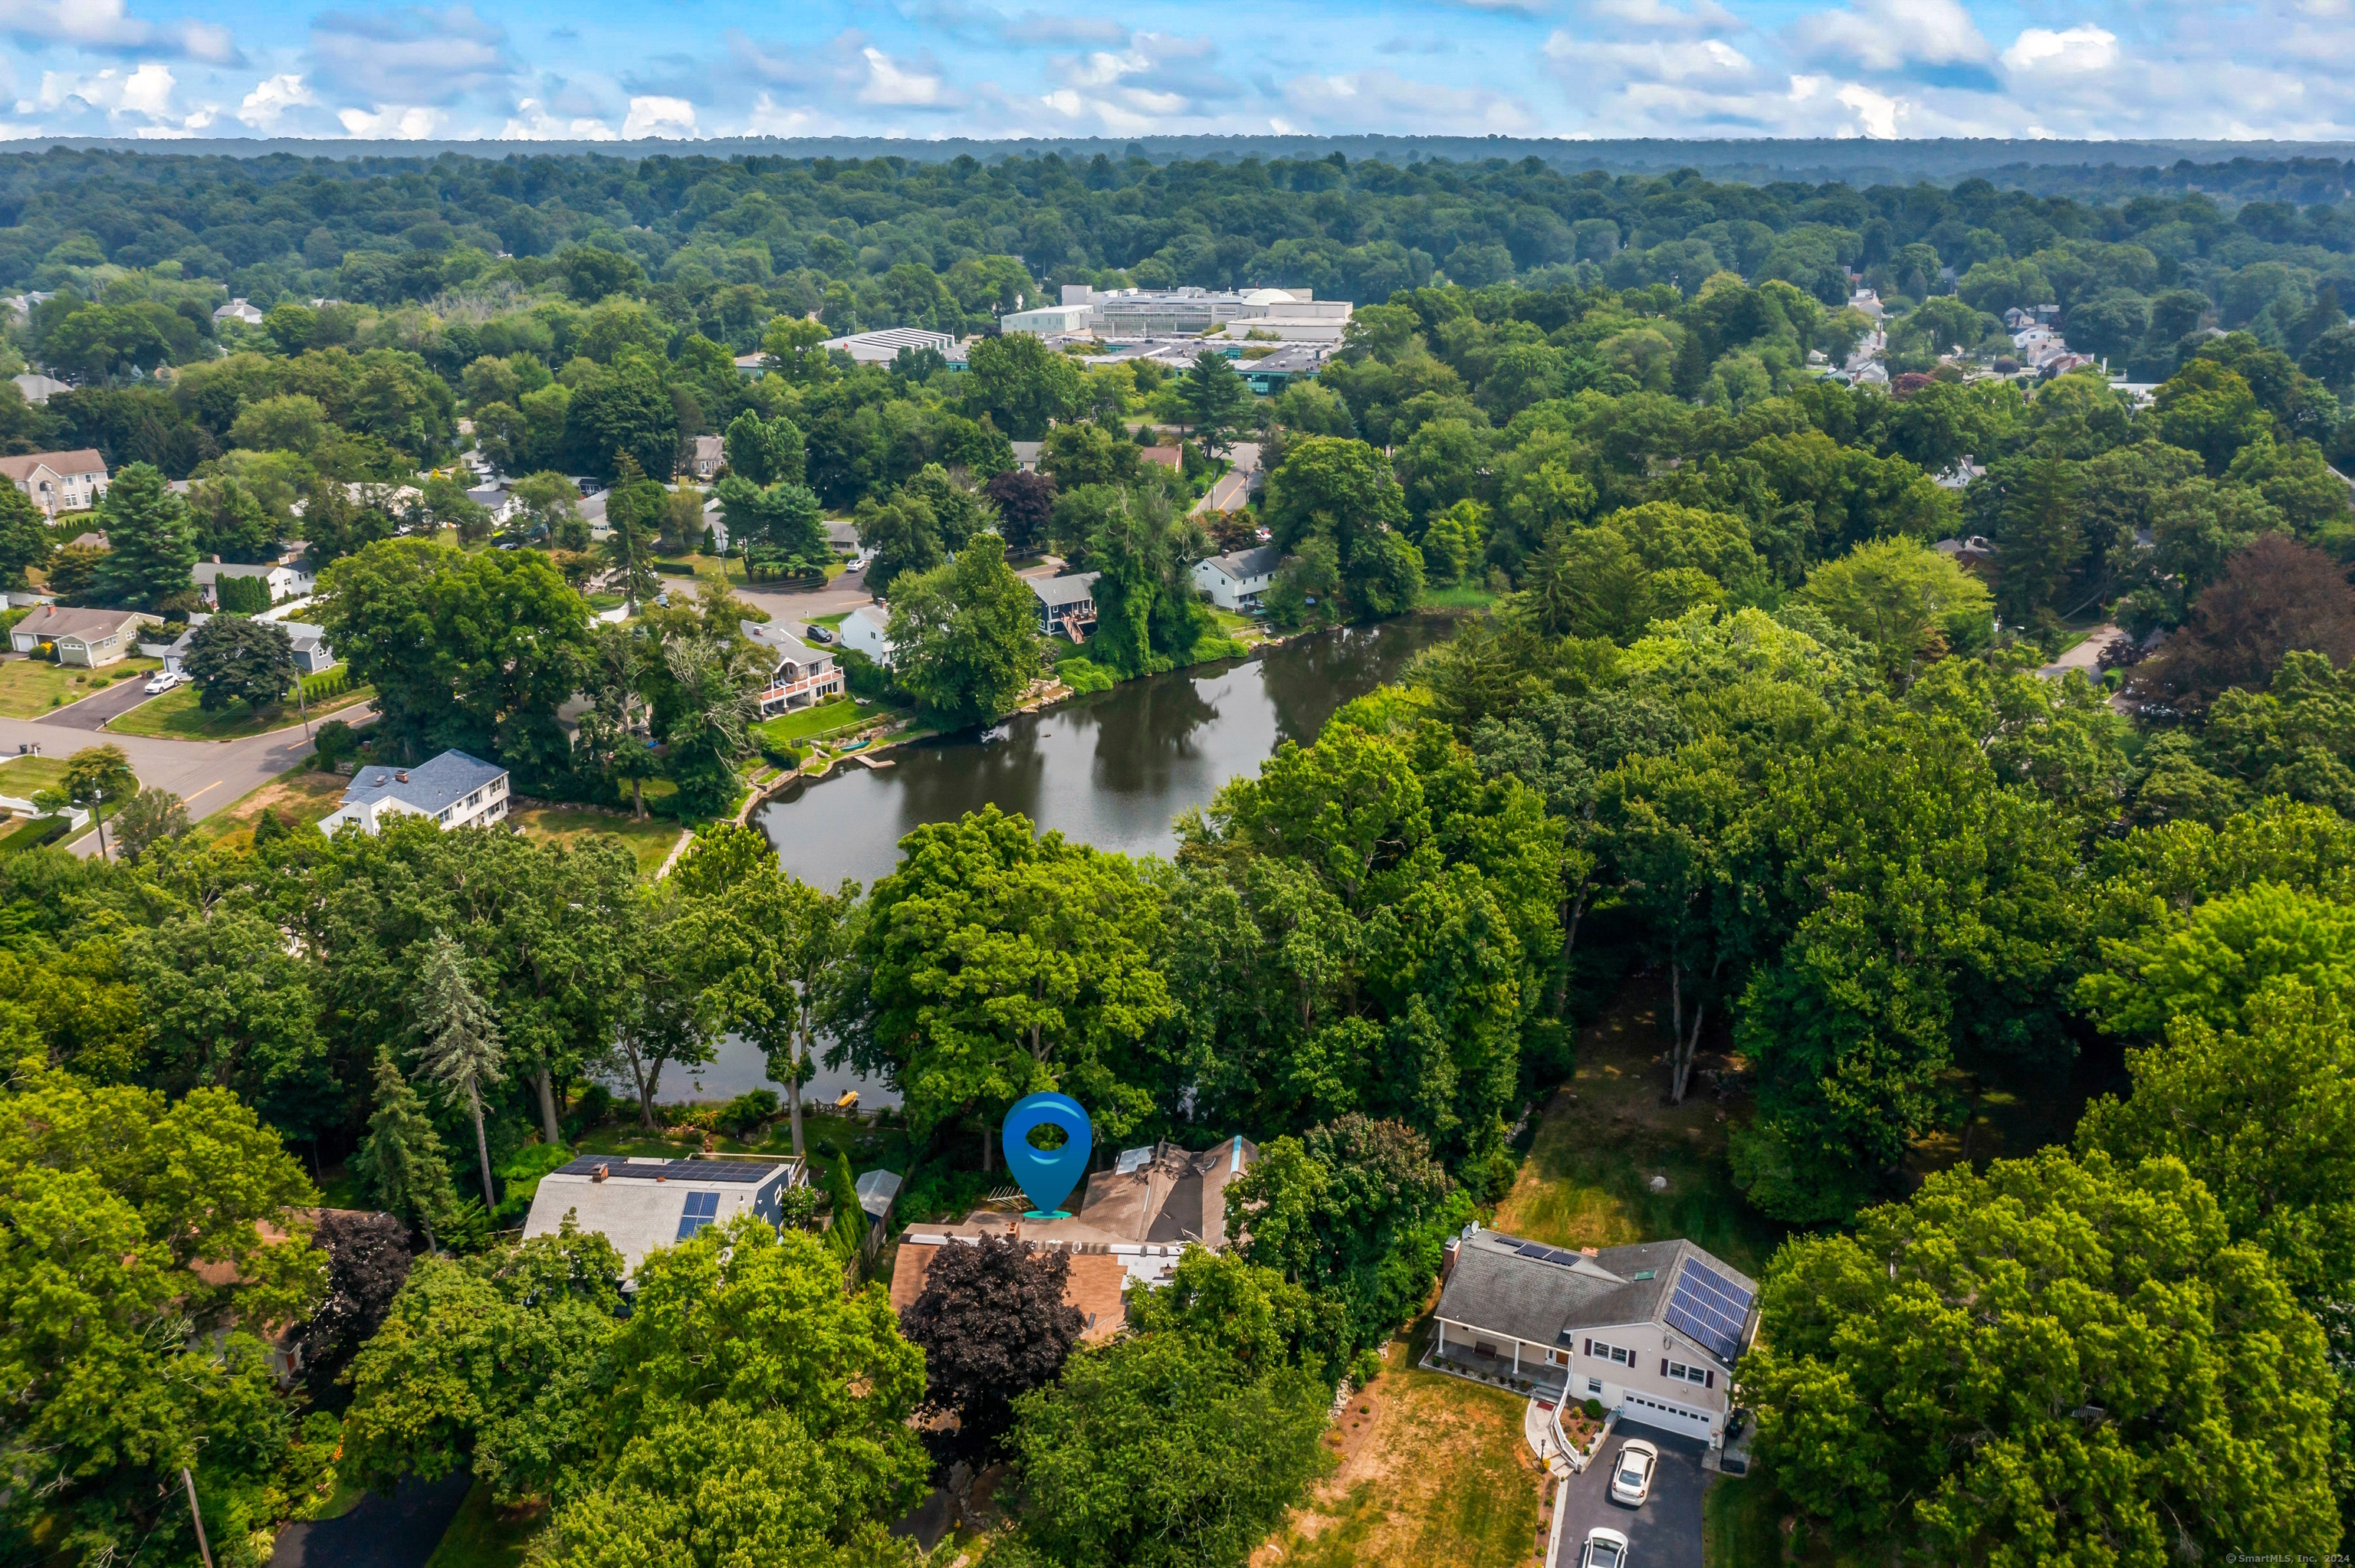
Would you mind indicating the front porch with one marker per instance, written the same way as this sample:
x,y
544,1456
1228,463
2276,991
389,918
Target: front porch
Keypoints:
x,y
1463,1352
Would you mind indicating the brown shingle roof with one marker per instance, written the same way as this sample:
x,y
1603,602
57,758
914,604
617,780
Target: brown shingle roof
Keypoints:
x,y
1094,1286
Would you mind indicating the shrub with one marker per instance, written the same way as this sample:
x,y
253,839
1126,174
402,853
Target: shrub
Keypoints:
x,y
739,1115
1593,1409
1083,675
592,1109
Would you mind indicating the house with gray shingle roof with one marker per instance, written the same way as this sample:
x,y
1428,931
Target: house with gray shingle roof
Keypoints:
x,y
1652,1330
453,790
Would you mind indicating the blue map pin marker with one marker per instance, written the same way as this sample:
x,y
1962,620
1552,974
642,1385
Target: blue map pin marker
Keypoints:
x,y
1047,1175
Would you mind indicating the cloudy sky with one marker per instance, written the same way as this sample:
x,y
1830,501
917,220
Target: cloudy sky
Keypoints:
x,y
598,68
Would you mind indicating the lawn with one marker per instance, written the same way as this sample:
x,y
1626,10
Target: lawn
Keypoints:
x,y
1432,1469
175,715
1462,596
1606,1133
31,687
300,797
819,719
484,1535
23,776
650,841
1742,1526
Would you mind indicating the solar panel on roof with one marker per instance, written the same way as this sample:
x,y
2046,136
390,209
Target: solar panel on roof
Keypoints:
x,y
1709,1308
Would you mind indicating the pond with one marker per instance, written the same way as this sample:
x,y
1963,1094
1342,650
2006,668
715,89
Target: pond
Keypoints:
x,y
1114,769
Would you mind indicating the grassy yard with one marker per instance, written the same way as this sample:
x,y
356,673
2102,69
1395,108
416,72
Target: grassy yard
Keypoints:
x,y
1605,1134
484,1535
1742,1527
650,841
300,797
1462,596
815,721
1432,1470
31,687
175,715
21,775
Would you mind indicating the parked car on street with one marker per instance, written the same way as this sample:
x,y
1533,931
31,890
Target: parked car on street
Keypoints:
x,y
1631,1479
1604,1549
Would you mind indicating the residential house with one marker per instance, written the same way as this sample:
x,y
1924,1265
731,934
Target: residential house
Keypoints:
x,y
1171,458
803,675
313,656
1067,604
1976,553
39,388
58,481
843,537
85,639
867,628
1959,477
643,1204
1026,454
1652,1330
751,366
454,790
237,310
283,581
1132,1228
1238,580
704,456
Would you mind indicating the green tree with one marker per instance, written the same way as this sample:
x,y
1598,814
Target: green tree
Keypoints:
x,y
1022,385
96,776
401,1162
235,657
965,635
228,1006
1342,492
993,964
460,1047
765,451
1161,1451
1214,396
150,545
149,818
25,539
633,512
1908,601
137,1273
1890,1365
705,718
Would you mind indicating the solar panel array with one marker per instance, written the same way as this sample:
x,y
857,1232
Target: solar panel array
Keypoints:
x,y
702,1209
1545,1254
1709,1308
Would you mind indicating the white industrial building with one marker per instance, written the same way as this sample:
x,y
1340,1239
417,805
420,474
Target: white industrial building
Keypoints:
x,y
1289,315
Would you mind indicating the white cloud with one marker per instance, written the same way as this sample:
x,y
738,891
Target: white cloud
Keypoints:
x,y
892,84
1655,61
391,123
532,122
414,56
653,116
771,119
274,98
1874,111
1886,35
2085,48
104,25
145,90
1378,100
1659,16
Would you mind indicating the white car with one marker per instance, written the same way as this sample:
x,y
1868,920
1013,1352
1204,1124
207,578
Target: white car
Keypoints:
x,y
163,681
1604,1549
1631,1479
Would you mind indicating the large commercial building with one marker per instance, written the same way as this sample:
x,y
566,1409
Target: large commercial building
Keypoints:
x,y
1288,315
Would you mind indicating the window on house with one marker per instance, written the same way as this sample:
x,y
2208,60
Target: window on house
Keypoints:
x,y
1615,1355
1595,1386
1683,1373
702,1209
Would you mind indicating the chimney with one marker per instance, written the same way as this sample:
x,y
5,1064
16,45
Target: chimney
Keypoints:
x,y
601,1174
1588,1252
401,776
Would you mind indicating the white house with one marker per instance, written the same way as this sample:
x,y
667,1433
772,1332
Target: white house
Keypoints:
x,y
803,675
1236,581
236,310
58,481
866,629
283,580
643,1204
39,388
312,651
1652,1330
454,790
85,639
1066,604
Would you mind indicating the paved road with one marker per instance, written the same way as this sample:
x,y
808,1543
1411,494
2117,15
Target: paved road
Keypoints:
x,y
1665,1532
398,1531
93,711
796,610
207,775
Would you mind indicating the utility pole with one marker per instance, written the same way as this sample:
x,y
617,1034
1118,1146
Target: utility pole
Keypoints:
x,y
198,1514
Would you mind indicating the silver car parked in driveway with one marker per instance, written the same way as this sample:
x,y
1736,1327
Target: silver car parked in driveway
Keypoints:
x,y
1631,1477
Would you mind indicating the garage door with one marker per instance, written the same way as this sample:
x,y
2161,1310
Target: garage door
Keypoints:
x,y
1682,1420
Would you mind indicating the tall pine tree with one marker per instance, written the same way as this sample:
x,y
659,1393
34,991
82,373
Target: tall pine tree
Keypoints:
x,y
151,543
401,1160
461,1052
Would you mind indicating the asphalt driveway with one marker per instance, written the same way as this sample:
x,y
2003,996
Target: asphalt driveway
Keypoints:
x,y
398,1531
93,711
1665,1532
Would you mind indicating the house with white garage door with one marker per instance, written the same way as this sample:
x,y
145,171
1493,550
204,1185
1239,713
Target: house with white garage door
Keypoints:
x,y
1652,1330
